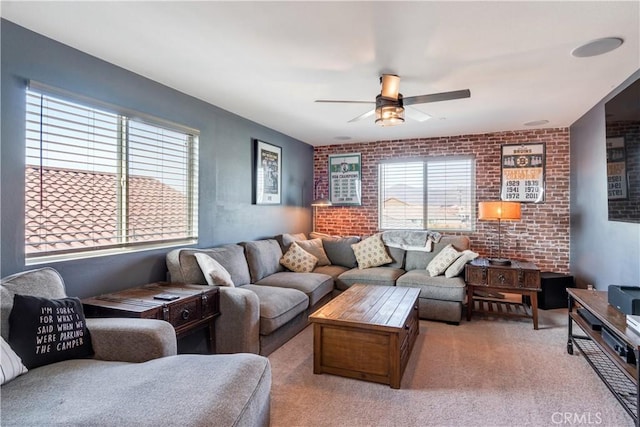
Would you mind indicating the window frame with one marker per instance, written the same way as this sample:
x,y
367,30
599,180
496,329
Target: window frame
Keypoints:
x,y
425,160
124,242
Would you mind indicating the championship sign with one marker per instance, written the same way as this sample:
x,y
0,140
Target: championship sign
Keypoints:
x,y
345,179
522,173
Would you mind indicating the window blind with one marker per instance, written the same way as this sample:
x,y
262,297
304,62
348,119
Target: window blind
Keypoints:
x,y
433,193
98,179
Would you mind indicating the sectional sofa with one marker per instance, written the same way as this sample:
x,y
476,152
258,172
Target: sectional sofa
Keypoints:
x,y
265,304
131,377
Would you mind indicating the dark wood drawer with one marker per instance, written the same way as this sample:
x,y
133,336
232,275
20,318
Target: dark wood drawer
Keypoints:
x,y
518,275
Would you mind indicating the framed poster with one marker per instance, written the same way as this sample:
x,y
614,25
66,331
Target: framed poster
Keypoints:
x,y
522,172
345,173
616,169
268,174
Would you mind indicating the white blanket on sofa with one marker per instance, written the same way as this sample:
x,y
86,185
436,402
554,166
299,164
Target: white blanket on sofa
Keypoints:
x,y
413,240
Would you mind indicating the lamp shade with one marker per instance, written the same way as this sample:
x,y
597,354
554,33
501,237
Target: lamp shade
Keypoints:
x,y
493,211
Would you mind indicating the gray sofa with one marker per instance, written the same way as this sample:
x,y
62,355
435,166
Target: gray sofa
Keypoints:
x,y
134,378
270,304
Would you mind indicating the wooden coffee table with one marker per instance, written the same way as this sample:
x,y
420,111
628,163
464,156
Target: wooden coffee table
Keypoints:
x,y
367,332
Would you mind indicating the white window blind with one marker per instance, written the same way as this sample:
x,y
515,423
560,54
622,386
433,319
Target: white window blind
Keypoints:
x,y
434,193
103,180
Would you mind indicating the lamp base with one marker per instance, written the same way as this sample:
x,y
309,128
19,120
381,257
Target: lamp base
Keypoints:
x,y
499,261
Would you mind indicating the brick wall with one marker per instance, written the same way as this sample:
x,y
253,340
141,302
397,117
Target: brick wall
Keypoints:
x,y
541,236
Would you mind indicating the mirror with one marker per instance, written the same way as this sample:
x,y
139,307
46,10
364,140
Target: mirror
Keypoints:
x,y
623,154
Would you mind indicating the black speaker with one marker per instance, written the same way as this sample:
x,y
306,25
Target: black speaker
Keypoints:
x,y
554,293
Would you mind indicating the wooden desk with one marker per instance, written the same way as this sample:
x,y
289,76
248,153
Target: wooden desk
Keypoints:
x,y
519,277
367,332
196,307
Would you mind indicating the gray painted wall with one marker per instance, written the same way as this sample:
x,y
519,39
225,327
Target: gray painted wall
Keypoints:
x,y
226,214
603,252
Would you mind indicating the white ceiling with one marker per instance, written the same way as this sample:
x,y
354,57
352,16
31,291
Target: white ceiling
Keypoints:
x,y
269,61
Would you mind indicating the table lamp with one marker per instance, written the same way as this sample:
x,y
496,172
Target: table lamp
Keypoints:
x,y
499,210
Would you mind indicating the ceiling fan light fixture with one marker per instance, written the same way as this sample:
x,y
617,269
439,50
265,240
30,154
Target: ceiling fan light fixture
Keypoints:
x,y
389,112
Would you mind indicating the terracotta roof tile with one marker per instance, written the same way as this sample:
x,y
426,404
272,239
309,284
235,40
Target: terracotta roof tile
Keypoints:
x,y
79,209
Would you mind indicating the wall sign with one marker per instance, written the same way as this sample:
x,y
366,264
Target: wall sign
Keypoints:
x,y
522,178
616,169
345,172
267,174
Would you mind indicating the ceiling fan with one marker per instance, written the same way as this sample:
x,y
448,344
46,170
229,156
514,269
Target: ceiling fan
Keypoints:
x,y
390,103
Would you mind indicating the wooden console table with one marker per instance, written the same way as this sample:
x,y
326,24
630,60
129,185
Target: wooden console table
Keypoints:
x,y
195,307
518,278
619,376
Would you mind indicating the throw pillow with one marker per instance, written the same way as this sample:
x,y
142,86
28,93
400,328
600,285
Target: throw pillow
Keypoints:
x,y
298,260
443,260
10,363
44,331
458,265
371,252
339,250
315,248
214,272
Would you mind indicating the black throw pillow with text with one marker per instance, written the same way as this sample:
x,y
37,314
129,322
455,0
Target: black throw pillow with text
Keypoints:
x,y
44,331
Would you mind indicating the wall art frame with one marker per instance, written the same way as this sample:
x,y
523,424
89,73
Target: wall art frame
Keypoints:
x,y
522,172
345,179
267,182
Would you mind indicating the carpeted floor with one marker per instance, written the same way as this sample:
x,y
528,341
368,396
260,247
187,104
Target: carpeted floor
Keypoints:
x,y
487,372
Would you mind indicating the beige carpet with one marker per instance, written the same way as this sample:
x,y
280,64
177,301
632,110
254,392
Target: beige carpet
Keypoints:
x,y
487,372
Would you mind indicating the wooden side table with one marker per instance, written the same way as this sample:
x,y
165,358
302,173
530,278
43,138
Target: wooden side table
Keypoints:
x,y
519,278
195,307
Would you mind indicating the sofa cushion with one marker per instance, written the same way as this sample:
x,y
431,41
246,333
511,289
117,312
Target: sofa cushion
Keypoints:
x,y
214,273
315,248
443,260
232,389
44,282
285,240
340,252
278,305
371,252
184,267
418,260
11,365
439,287
385,276
331,270
458,265
44,331
397,255
263,258
298,260
314,285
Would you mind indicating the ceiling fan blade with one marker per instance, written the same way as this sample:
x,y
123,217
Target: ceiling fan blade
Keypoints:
x,y
437,97
390,86
417,115
363,116
343,102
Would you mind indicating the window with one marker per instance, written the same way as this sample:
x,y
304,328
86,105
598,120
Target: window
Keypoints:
x,y
100,178
435,193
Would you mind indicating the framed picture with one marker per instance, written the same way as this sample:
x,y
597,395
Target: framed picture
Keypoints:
x,y
345,172
522,172
616,169
268,174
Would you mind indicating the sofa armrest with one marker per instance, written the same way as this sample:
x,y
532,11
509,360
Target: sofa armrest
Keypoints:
x,y
131,340
238,327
